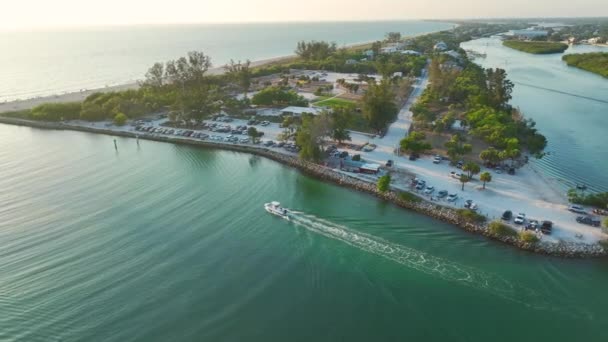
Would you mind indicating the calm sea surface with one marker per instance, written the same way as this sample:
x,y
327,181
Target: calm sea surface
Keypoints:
x,y
170,243
46,63
569,105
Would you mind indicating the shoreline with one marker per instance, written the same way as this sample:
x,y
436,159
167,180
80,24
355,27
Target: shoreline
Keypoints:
x,y
78,96
424,207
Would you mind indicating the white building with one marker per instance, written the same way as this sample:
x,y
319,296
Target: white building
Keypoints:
x,y
410,52
440,46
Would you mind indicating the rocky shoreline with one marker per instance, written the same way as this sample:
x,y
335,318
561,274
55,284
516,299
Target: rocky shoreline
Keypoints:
x,y
445,214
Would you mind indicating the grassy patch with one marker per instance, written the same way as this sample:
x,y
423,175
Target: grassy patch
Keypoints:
x,y
470,216
21,114
501,229
536,47
335,102
528,237
409,197
596,62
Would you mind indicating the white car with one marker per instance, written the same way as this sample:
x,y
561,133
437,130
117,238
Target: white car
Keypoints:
x,y
520,218
577,209
452,197
437,159
429,190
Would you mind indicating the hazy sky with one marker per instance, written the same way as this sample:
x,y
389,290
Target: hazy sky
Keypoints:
x,y
17,14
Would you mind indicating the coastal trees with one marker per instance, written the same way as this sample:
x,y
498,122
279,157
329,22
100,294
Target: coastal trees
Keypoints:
x,y
485,177
471,168
379,109
315,50
490,156
277,96
155,76
384,183
308,138
393,37
457,147
56,111
463,179
253,134
340,120
239,73
120,119
414,143
499,87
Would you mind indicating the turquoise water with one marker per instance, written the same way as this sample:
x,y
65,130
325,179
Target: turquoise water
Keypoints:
x,y
170,243
51,62
569,105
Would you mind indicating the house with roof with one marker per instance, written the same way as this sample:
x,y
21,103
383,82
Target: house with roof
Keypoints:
x,y
440,46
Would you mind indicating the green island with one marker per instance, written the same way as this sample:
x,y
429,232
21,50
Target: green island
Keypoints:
x,y
536,47
595,62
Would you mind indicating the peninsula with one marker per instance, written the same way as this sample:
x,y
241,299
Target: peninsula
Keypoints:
x,y
410,119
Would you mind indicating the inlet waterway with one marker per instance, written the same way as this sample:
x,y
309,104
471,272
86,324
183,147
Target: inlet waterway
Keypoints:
x,y
569,105
160,242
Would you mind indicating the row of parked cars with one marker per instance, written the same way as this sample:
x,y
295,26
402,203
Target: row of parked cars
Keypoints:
x,y
528,224
420,185
584,219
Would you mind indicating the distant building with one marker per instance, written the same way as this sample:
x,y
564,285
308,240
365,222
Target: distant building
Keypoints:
x,y
389,49
453,53
596,40
440,46
528,34
410,52
398,74
351,61
369,53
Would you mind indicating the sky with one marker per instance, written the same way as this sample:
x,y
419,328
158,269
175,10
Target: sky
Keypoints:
x,y
27,14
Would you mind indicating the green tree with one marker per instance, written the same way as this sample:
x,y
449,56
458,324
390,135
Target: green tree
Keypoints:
x,y
490,156
253,134
341,117
376,46
456,147
120,119
393,37
485,177
240,73
471,168
499,87
415,143
379,108
384,183
463,179
307,137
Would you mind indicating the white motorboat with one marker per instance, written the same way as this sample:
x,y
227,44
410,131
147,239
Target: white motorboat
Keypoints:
x,y
276,209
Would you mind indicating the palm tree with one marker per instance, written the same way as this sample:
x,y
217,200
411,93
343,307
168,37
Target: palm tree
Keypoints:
x,y
485,177
471,168
463,179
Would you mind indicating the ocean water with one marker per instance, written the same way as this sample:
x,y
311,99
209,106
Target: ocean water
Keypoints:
x,y
569,105
160,242
43,63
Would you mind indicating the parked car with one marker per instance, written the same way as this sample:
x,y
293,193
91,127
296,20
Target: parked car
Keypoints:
x,y
442,194
437,159
343,154
520,218
589,220
429,190
455,175
460,164
420,186
577,209
532,225
452,197
389,163
506,216
546,227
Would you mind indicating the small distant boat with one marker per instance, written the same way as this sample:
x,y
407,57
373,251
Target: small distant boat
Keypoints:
x,y
276,209
581,186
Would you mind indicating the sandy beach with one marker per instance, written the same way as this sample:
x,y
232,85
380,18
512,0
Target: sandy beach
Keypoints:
x,y
81,95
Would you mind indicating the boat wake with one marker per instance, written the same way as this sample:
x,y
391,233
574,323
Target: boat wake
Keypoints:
x,y
423,262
